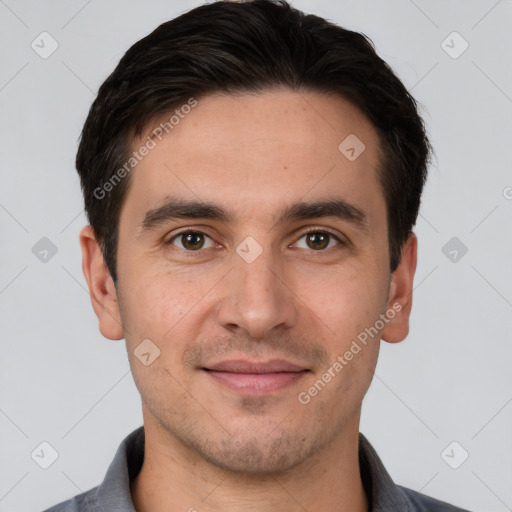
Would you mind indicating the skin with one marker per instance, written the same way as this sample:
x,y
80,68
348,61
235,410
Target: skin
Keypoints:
x,y
209,447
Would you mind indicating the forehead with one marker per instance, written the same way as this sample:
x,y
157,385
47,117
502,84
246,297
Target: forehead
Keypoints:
x,y
257,152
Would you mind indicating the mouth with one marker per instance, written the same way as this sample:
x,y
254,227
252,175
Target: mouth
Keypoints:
x,y
256,378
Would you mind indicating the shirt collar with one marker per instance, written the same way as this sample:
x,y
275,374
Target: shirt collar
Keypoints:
x,y
114,493
383,494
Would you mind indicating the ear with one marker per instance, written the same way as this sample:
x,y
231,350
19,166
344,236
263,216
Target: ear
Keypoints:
x,y
400,294
101,286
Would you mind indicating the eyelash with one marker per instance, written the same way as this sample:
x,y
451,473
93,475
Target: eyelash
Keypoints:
x,y
311,230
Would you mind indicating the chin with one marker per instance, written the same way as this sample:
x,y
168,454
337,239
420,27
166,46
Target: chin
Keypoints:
x,y
269,454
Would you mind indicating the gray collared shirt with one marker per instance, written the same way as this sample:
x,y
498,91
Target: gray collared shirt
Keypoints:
x,y
113,494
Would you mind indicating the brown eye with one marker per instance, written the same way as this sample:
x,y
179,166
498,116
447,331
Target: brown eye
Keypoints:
x,y
190,240
319,240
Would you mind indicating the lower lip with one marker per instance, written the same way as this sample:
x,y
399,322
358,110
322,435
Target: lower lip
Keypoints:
x,y
256,383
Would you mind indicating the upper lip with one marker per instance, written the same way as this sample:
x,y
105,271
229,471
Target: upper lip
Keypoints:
x,y
246,366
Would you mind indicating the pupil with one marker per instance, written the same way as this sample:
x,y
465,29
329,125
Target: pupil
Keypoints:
x,y
318,240
192,239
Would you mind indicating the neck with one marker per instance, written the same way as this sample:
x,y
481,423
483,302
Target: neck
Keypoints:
x,y
174,478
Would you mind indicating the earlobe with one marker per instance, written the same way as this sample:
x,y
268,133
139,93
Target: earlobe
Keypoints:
x,y
101,286
400,295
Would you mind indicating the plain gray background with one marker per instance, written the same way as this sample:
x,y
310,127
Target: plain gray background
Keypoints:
x,y
450,381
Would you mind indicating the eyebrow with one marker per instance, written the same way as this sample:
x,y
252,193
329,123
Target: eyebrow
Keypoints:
x,y
179,208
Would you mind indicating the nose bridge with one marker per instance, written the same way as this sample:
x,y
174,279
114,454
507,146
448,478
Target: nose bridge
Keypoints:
x,y
258,279
257,299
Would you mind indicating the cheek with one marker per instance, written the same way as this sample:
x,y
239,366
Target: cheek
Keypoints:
x,y
345,302
161,313
168,309
157,303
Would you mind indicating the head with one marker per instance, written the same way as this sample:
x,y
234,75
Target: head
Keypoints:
x,y
247,125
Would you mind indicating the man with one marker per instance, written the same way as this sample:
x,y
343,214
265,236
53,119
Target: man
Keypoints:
x,y
252,176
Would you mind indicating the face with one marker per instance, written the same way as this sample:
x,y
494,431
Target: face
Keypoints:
x,y
274,263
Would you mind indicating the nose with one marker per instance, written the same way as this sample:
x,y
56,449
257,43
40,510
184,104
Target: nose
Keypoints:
x,y
258,297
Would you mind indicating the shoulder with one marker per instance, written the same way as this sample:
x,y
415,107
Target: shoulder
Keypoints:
x,y
114,492
422,503
85,502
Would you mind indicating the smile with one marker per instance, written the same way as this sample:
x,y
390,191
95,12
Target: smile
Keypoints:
x,y
256,378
